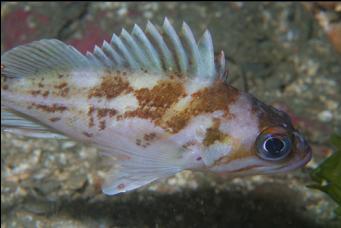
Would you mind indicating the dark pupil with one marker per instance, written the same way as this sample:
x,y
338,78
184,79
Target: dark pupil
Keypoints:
x,y
274,145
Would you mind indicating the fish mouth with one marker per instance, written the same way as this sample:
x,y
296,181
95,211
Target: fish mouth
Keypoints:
x,y
303,156
303,148
299,162
302,162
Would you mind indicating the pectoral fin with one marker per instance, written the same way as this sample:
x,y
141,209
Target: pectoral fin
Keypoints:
x,y
130,174
23,125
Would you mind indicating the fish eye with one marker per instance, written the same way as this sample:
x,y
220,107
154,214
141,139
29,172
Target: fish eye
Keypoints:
x,y
273,147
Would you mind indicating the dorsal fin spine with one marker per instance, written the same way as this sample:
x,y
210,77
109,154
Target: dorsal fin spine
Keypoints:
x,y
207,54
150,50
140,56
193,49
78,58
99,54
112,54
166,53
221,66
121,47
178,48
95,62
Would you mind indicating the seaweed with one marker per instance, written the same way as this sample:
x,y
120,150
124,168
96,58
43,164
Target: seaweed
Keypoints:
x,y
328,174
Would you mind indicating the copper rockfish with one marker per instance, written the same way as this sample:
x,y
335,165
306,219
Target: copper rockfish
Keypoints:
x,y
156,101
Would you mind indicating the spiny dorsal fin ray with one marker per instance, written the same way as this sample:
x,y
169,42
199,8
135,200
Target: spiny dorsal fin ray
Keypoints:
x,y
156,51
161,51
221,69
194,53
207,54
176,43
147,46
165,53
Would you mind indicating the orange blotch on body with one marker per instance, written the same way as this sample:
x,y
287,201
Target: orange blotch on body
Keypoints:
x,y
111,86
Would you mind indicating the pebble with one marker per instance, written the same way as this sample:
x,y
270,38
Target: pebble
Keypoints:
x,y
325,116
69,144
332,105
39,206
76,182
122,11
49,186
46,151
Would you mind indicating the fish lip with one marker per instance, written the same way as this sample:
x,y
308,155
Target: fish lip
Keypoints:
x,y
306,149
282,169
307,157
303,160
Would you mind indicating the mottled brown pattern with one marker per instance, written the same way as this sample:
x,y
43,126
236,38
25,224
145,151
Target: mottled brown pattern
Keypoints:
x,y
149,137
208,100
121,186
89,135
110,87
50,108
146,140
64,92
62,89
39,92
138,142
54,119
61,85
103,112
213,134
91,118
5,87
35,92
45,94
188,144
102,125
153,103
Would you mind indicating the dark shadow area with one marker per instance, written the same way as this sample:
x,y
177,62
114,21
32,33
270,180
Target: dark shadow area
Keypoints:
x,y
266,206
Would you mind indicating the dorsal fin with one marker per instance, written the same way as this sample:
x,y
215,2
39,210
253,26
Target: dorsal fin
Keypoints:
x,y
162,52
40,57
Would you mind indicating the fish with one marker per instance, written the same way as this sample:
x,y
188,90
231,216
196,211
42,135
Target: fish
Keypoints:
x,y
154,101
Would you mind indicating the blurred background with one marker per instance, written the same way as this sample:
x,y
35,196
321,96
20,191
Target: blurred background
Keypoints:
x,y
286,54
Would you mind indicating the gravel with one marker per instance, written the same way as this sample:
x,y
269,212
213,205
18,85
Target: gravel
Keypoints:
x,y
279,52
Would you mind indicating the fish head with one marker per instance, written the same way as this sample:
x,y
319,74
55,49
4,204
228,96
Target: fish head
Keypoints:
x,y
262,140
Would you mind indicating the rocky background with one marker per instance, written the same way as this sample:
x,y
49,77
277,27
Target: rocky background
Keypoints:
x,y
287,54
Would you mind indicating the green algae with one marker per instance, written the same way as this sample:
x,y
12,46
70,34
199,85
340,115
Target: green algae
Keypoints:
x,y
328,174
